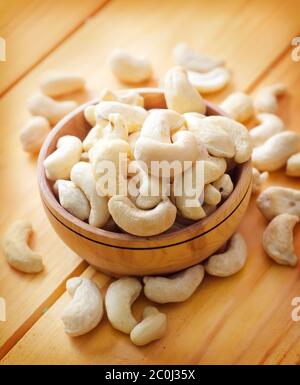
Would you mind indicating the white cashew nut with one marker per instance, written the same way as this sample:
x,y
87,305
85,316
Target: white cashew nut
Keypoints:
x,y
42,105
131,97
229,262
270,125
90,115
57,83
151,328
119,298
293,165
209,82
128,68
85,311
212,195
266,98
95,133
16,250
224,185
274,153
174,288
214,168
82,176
58,164
278,239
258,179
116,128
180,95
276,200
239,106
33,134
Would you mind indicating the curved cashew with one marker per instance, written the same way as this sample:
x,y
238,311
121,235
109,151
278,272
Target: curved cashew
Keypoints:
x,y
82,176
58,164
142,222
33,134
95,133
266,98
278,239
116,128
56,83
229,262
180,95
293,165
224,185
276,200
128,68
90,115
258,179
119,298
151,328
50,109
214,168
187,58
85,311
270,125
72,199
212,195
209,82
239,106
134,116
174,288
16,250
274,153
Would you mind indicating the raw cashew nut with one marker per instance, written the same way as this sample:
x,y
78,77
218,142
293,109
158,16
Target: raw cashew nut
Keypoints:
x,y
57,83
116,128
180,95
33,134
174,288
82,176
266,98
258,179
128,68
72,199
293,165
142,222
229,262
50,109
209,82
270,125
212,195
95,133
119,298
224,185
214,168
276,200
278,239
90,115
187,58
239,106
16,250
58,164
131,97
85,311
274,153
151,328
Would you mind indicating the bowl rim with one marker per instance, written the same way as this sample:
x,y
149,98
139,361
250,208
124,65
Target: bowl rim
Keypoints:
x,y
53,206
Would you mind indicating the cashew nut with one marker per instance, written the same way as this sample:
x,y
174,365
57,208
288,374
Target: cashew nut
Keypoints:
x,y
90,115
33,134
270,125
209,82
132,139
142,222
72,199
214,168
239,106
180,95
16,250
266,98
278,239
151,328
276,200
258,179
50,109
128,68
95,133
82,176
212,195
274,153
131,97
174,288
187,58
85,311
56,83
224,185
229,262
293,165
119,298
58,164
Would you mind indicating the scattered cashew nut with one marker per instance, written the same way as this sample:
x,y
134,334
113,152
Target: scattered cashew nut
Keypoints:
x,y
238,106
33,134
270,125
293,165
266,98
209,82
57,83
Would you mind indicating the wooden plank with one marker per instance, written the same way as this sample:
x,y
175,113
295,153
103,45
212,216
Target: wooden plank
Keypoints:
x,y
25,26
138,22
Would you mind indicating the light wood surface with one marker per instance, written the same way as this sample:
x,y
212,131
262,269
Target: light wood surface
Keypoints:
x,y
242,319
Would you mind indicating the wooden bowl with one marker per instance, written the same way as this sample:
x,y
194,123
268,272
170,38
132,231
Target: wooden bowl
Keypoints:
x,y
118,254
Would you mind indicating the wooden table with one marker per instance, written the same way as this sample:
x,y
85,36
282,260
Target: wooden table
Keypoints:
x,y
242,319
